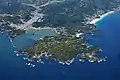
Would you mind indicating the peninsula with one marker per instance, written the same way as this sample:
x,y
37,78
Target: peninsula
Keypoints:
x,y
70,19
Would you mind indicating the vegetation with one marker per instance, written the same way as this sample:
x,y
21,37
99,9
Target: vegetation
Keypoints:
x,y
73,14
11,19
15,8
12,12
12,31
70,14
37,24
62,48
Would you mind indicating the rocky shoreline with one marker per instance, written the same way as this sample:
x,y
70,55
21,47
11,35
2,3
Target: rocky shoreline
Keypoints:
x,y
86,26
81,60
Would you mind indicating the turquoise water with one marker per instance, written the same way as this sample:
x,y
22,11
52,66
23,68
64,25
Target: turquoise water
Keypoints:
x,y
14,68
28,38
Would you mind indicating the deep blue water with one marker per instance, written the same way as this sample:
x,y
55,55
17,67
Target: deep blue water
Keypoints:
x,y
14,68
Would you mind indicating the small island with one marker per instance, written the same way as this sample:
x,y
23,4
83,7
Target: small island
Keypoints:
x,y
62,49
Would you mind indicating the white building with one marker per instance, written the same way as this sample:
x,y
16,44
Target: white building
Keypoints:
x,y
79,34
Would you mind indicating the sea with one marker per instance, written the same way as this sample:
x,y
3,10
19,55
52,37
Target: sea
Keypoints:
x,y
13,67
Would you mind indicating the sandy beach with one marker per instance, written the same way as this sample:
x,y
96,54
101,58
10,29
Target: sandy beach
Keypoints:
x,y
42,28
94,21
39,28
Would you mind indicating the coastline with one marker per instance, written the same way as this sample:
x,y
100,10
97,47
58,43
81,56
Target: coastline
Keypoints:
x,y
54,29
95,20
39,28
53,68
43,28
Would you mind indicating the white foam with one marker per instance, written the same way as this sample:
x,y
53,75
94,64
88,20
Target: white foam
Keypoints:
x,y
17,54
25,58
29,64
61,63
32,65
100,60
42,62
81,60
91,61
